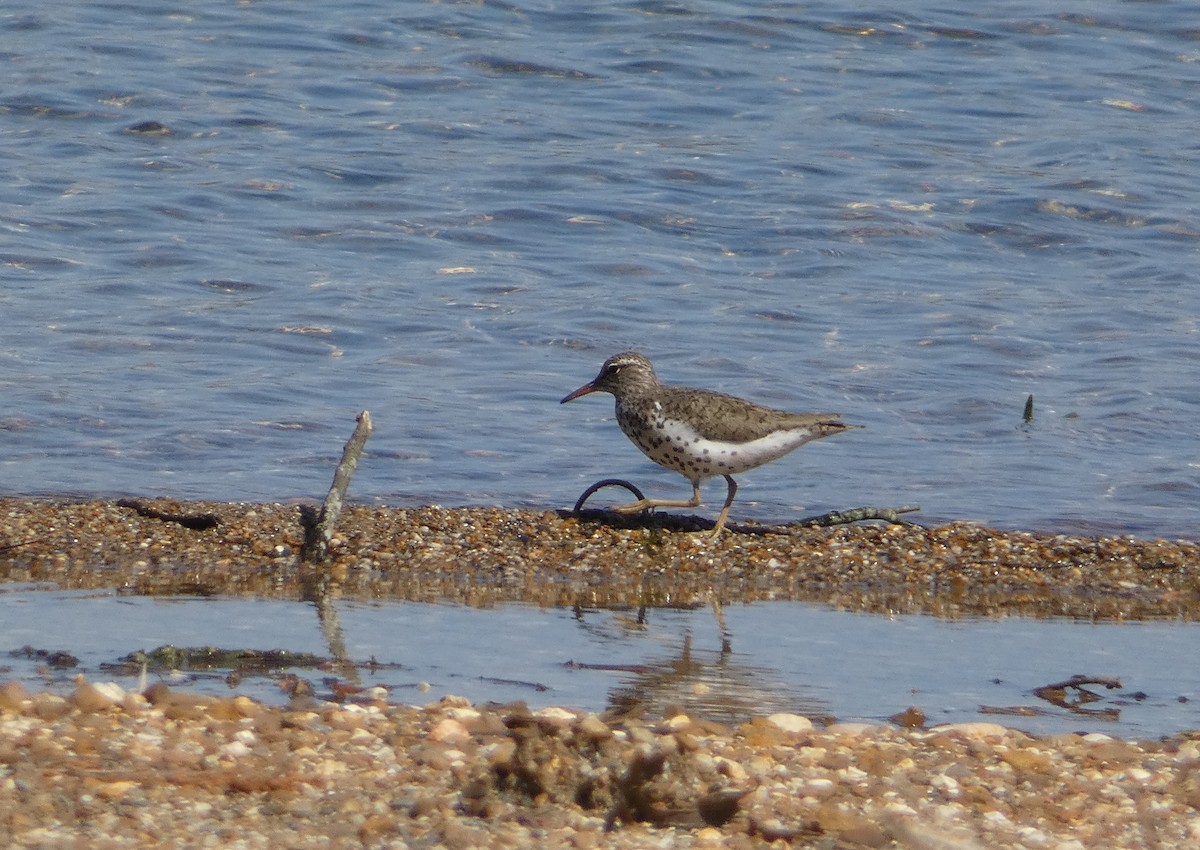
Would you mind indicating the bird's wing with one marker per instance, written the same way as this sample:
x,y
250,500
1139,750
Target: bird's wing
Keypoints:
x,y
742,420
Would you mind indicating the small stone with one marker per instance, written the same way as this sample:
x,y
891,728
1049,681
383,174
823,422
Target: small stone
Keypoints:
x,y
679,721
591,726
234,750
375,827
464,715
13,696
817,787
50,706
449,731
792,724
90,698
731,770
911,718
114,791
557,715
345,719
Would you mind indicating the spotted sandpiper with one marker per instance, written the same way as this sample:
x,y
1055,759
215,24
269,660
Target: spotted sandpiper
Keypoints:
x,y
699,433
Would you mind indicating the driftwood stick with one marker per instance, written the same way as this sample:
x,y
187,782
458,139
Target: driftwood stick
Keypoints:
x,y
196,522
1078,682
1056,694
319,584
318,526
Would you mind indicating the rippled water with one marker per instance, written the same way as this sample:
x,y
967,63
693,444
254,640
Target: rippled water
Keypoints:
x,y
782,657
229,227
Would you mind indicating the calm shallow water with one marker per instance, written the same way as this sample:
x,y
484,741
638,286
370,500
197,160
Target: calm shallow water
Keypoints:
x,y
785,657
450,213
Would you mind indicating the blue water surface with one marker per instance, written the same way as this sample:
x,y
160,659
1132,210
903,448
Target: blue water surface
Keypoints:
x,y
227,228
780,656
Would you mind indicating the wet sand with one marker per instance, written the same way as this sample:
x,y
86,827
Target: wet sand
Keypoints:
x,y
173,769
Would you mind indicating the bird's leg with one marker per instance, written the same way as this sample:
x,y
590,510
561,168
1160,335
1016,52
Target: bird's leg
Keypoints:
x,y
647,504
716,532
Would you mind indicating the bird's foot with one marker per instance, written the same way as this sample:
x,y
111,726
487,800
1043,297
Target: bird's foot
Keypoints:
x,y
635,507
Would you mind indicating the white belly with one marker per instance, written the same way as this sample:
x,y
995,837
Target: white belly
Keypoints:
x,y
675,445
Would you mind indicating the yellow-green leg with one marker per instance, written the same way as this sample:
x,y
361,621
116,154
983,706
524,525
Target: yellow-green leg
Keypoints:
x,y
720,526
647,504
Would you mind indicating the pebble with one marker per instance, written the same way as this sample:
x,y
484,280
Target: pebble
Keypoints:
x,y
793,724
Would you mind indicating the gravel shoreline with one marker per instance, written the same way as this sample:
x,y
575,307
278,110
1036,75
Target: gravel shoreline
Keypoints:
x,y
484,555
105,768
102,768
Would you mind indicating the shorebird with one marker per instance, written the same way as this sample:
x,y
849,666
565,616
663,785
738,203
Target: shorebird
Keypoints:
x,y
699,433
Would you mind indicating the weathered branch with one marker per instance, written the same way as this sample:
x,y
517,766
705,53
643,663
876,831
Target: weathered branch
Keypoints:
x,y
318,526
195,522
1055,691
1056,694
319,584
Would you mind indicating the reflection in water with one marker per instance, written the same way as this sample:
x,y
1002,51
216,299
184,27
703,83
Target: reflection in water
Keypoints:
x,y
718,686
789,657
335,639
709,685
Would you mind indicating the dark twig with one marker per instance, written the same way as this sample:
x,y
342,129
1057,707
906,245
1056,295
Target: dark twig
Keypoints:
x,y
195,522
22,543
607,482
